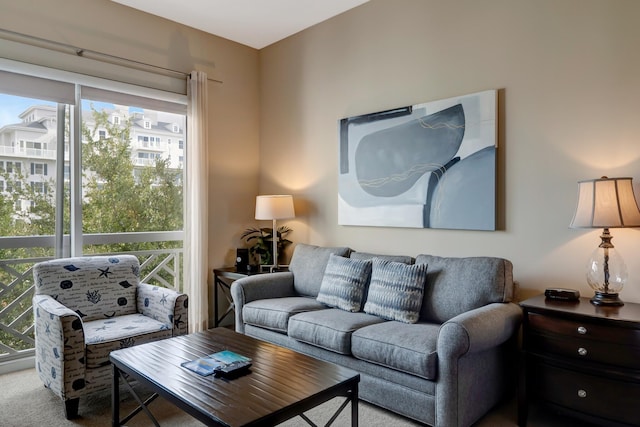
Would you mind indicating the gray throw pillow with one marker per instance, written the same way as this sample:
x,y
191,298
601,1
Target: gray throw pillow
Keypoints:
x,y
396,290
344,283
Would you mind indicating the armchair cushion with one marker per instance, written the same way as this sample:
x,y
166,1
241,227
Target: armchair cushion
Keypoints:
x,y
105,335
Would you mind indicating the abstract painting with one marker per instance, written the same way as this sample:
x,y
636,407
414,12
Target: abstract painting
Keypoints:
x,y
430,165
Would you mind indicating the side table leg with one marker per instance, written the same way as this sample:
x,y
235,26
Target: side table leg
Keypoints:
x,y
354,406
216,283
523,405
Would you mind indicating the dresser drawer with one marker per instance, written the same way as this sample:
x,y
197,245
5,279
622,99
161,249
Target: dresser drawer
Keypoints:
x,y
594,395
583,329
586,350
583,341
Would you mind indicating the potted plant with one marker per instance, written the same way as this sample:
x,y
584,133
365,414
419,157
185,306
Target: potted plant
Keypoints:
x,y
260,241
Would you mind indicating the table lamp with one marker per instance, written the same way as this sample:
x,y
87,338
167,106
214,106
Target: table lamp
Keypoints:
x,y
606,203
274,207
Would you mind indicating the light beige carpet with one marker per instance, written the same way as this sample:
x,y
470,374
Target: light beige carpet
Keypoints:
x,y
25,402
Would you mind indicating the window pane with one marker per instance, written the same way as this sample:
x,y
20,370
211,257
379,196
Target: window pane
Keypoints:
x,y
28,140
28,150
132,177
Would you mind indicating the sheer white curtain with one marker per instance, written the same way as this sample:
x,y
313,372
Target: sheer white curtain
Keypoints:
x,y
195,212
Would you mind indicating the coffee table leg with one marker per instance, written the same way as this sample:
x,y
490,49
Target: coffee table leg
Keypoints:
x,y
354,406
115,396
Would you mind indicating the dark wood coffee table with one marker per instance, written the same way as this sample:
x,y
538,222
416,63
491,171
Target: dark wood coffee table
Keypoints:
x,y
280,385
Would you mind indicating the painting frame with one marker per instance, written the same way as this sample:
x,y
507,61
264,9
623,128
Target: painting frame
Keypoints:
x,y
428,165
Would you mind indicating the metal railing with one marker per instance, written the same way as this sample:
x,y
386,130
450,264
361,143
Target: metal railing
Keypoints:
x,y
160,267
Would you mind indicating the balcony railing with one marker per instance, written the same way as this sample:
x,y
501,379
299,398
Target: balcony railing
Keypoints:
x,y
160,267
36,153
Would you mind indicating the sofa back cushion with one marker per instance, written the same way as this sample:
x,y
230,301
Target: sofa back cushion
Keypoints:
x,y
405,259
94,287
457,285
308,264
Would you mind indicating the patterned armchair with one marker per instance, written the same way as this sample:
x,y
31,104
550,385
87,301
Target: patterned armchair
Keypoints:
x,y
86,307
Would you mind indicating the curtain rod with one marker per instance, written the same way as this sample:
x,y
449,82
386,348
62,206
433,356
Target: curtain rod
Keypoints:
x,y
91,54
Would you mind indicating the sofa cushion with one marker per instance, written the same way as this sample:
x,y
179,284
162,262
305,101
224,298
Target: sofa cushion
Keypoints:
x,y
274,313
105,335
457,285
344,283
405,259
330,329
409,348
308,264
396,290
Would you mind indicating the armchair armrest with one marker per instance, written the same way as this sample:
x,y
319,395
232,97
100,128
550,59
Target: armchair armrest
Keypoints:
x,y
259,286
165,305
61,347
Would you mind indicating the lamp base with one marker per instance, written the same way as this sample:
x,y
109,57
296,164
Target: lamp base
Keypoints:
x,y
602,298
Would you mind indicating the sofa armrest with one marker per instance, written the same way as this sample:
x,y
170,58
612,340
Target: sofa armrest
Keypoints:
x,y
60,347
476,362
479,329
164,305
257,287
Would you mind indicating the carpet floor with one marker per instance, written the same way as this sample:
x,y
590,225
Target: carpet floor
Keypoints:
x,y
25,402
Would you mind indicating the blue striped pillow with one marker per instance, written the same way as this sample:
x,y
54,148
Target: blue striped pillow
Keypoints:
x,y
396,290
344,283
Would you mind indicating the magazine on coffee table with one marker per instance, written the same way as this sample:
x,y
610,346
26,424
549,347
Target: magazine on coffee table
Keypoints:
x,y
223,362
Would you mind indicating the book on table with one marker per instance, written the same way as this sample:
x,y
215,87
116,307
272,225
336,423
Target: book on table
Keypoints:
x,y
224,362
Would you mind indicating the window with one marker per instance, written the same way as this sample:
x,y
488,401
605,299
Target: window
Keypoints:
x,y
14,167
45,192
38,187
175,128
38,169
181,144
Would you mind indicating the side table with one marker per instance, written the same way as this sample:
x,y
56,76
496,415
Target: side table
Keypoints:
x,y
581,360
222,279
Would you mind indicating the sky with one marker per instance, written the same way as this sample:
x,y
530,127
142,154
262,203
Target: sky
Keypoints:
x,y
12,106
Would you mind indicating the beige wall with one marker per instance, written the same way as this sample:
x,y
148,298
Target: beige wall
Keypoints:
x,y
105,26
568,75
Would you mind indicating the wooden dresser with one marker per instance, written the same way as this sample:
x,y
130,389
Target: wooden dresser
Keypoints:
x,y
582,360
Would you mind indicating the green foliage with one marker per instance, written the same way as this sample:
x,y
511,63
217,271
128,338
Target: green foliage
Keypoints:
x,y
122,198
261,243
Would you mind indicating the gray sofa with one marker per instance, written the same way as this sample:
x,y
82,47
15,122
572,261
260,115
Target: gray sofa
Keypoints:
x,y
434,339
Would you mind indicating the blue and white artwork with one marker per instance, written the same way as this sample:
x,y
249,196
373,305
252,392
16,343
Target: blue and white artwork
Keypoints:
x,y
430,165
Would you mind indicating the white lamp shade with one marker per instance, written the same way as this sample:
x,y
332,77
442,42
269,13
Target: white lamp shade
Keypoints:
x,y
274,207
606,203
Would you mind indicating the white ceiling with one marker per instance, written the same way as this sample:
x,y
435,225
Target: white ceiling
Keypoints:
x,y
255,23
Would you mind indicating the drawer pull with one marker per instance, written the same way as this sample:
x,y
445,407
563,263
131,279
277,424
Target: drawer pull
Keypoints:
x,y
582,393
582,330
582,351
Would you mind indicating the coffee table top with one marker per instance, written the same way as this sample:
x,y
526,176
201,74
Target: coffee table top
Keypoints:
x,y
279,378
